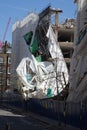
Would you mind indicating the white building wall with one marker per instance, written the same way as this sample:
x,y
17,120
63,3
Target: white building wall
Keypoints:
x,y
81,16
19,47
78,66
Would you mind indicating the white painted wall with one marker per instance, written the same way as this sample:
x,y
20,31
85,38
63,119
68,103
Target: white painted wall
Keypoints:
x,y
78,66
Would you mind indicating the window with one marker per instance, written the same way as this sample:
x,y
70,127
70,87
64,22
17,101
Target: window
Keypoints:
x,y
1,68
8,70
9,60
1,60
8,81
0,80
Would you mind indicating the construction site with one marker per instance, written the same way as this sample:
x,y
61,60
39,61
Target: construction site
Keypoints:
x,y
64,33
46,64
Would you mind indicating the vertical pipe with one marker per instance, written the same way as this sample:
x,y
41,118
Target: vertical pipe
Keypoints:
x,y
7,126
56,24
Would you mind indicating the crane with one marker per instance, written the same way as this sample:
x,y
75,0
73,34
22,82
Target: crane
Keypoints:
x,y
2,42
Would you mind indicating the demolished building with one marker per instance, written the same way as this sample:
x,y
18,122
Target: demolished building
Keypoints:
x,y
21,33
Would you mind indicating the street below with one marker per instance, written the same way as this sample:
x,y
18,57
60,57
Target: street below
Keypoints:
x,y
10,120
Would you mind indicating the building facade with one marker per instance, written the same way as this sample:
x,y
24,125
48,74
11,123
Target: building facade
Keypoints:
x,y
5,66
66,39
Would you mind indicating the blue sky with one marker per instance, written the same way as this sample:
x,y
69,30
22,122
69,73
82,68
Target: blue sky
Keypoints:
x,y
18,9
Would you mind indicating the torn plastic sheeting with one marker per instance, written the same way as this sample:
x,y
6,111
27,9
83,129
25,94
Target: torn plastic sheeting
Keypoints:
x,y
55,51
22,72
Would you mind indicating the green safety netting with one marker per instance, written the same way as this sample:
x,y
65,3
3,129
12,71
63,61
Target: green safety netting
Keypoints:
x,y
49,92
34,45
28,37
28,77
38,58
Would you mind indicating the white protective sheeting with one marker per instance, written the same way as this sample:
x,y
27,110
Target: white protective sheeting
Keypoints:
x,y
46,77
43,77
23,72
60,64
44,73
19,47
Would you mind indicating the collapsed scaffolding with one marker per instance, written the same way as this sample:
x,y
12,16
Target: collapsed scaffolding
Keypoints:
x,y
43,58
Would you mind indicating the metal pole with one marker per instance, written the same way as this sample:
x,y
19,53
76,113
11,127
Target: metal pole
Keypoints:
x,y
56,25
7,126
56,32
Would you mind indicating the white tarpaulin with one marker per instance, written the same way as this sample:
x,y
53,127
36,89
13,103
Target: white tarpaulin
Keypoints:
x,y
24,74
46,77
43,74
43,77
60,64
